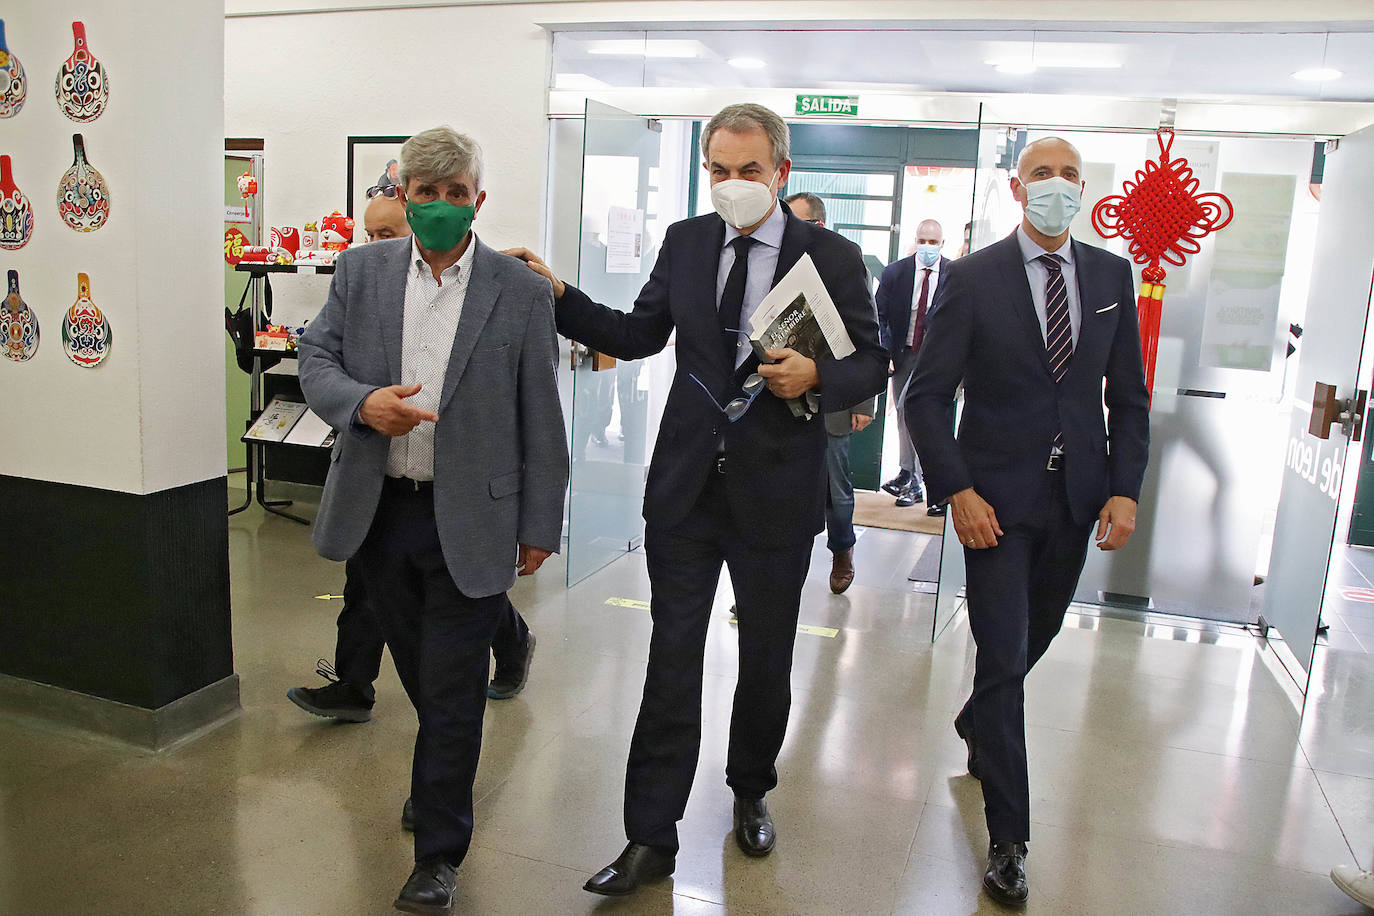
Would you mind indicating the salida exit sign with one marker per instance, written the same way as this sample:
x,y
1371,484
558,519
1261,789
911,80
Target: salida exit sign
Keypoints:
x,y
832,105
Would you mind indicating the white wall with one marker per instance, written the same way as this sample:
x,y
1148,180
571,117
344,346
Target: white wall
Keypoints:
x,y
306,83
306,74
152,415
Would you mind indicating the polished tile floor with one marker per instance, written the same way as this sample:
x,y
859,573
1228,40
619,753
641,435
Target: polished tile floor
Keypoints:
x,y
1170,772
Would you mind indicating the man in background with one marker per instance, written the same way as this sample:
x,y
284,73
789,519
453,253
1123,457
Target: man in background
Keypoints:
x,y
839,425
905,292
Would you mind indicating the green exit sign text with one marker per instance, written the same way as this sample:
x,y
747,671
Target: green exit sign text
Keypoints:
x,y
841,105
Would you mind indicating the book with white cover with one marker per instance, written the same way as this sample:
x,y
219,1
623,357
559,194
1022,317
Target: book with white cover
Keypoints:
x,y
799,314
310,430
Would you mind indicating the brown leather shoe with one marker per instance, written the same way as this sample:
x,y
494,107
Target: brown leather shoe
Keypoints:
x,y
842,571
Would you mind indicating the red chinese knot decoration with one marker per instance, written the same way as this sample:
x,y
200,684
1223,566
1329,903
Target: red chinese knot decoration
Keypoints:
x,y
1163,218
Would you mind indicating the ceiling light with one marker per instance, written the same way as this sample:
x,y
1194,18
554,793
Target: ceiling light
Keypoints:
x,y
747,63
1013,67
578,81
1317,74
633,47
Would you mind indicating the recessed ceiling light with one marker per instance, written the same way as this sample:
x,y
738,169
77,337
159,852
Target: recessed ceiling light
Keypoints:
x,y
1317,74
747,63
1013,67
653,47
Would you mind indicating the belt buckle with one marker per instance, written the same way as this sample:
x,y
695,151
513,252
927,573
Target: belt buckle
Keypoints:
x,y
720,465
1055,463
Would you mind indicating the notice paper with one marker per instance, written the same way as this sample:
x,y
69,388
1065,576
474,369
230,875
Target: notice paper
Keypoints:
x,y
624,240
276,421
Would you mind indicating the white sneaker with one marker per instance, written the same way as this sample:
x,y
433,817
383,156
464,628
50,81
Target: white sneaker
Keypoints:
x,y
1356,882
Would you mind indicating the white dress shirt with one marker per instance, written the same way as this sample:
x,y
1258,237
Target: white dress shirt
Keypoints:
x,y
429,322
1037,274
916,296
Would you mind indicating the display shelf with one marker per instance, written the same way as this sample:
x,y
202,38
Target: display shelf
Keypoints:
x,y
262,270
284,354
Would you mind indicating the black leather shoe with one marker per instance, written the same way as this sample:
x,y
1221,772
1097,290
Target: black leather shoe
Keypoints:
x,y
936,510
637,864
896,485
909,496
511,674
754,827
408,816
336,700
429,888
1005,880
973,768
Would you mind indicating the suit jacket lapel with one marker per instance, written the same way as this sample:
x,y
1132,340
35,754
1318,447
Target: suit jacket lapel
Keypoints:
x,y
1018,287
478,303
1092,295
390,294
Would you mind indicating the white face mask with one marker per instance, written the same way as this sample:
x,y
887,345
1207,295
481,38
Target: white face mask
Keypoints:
x,y
742,203
1052,203
927,254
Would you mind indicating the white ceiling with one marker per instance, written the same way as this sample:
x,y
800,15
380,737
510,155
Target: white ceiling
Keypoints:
x,y
1209,63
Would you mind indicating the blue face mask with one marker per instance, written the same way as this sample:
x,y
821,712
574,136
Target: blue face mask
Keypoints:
x,y
1052,203
927,255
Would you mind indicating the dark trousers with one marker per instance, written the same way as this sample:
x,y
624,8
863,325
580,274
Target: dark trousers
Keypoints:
x,y
1018,592
684,568
358,652
439,640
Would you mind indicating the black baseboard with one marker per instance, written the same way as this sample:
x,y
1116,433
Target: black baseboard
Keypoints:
x,y
120,596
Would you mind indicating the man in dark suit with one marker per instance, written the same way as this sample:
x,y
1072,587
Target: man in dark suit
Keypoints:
x,y
905,292
839,426
434,357
744,489
1042,332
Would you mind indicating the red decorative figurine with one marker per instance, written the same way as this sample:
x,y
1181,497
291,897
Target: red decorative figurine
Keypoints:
x,y
1163,217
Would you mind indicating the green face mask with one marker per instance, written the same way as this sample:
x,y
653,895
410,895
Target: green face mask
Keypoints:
x,y
439,225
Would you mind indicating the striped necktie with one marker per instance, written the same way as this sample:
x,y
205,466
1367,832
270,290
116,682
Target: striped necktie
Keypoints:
x,y
1058,330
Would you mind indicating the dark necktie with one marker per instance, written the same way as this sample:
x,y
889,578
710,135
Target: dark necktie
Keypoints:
x,y
918,331
732,299
1058,330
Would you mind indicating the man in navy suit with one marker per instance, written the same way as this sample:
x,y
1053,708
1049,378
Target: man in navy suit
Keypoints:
x,y
1042,332
747,490
905,292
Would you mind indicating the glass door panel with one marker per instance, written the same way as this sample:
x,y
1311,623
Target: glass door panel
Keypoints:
x,y
614,415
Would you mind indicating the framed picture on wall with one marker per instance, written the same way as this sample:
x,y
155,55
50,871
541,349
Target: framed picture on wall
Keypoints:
x,y
372,162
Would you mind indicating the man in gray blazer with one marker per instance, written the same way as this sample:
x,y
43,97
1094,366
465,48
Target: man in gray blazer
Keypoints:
x,y
839,425
434,357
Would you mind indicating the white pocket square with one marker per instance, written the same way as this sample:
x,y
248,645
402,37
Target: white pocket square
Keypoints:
x,y
1107,309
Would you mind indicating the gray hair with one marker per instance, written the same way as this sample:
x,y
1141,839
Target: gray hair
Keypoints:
x,y
813,203
440,154
747,116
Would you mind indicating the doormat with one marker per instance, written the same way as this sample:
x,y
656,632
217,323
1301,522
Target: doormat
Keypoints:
x,y
877,510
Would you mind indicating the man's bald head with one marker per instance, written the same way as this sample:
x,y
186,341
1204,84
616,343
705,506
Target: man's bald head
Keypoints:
x,y
385,218
1049,157
930,232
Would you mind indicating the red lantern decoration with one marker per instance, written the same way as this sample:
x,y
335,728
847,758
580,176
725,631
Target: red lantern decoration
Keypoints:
x,y
1164,219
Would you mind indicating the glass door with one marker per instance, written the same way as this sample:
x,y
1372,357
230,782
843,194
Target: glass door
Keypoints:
x,y
1327,379
614,413
862,206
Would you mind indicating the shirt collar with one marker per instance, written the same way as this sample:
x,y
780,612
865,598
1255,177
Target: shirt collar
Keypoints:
x,y
1030,250
770,233
459,268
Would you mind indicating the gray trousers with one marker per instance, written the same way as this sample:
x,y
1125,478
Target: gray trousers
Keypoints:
x,y
906,449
